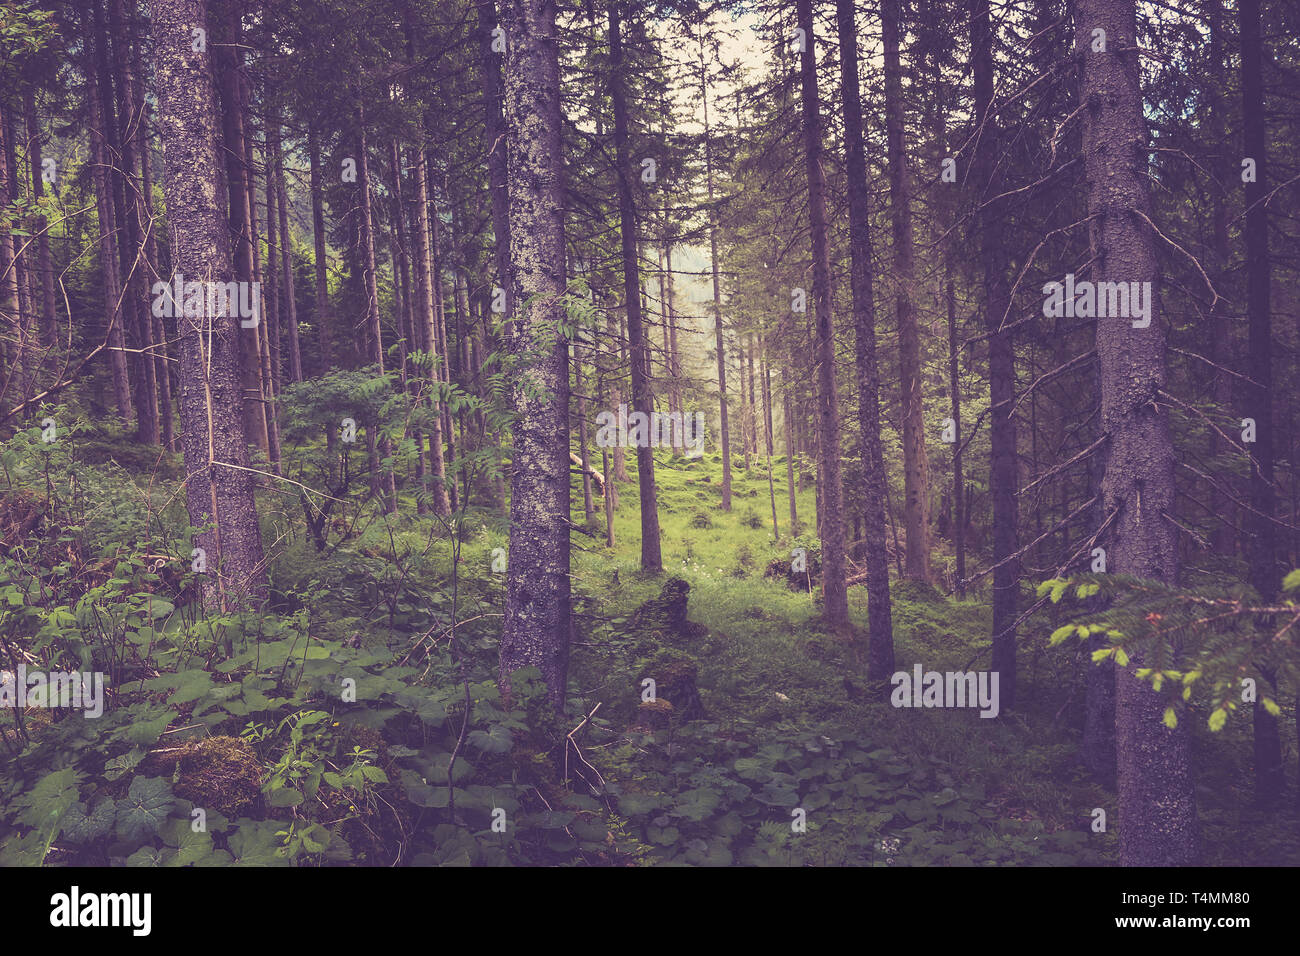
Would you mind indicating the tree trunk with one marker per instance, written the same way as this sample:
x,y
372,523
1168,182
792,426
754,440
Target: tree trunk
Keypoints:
x,y
425,319
321,261
588,511
374,330
831,512
958,477
880,655
14,371
495,145
537,622
266,321
766,371
443,369
136,301
724,431
1157,810
1264,572
286,253
218,491
45,263
1002,373
916,493
641,398
787,421
162,361
107,252
227,57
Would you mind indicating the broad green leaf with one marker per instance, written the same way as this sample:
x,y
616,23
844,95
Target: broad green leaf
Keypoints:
x,y
144,809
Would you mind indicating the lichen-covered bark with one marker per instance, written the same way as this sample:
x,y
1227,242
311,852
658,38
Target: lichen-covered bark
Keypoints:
x,y
1157,810
537,590
218,492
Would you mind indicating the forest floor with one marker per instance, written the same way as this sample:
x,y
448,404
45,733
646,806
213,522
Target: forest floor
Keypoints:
x,y
763,745
770,668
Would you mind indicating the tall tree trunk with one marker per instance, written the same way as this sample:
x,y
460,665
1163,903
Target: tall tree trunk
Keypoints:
x,y
443,369
1002,373
14,372
753,414
425,318
267,328
45,263
642,401
494,144
537,622
1264,571
880,655
374,330
286,252
766,371
674,357
227,57
136,302
588,511
108,251
831,512
958,477
271,272
916,492
787,422
162,361
1223,537
321,261
614,334
218,489
724,430
1157,808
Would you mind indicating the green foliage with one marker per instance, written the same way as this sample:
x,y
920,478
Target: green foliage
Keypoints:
x,y
1192,645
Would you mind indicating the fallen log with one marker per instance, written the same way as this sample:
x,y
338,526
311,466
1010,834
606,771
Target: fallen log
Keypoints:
x,y
597,476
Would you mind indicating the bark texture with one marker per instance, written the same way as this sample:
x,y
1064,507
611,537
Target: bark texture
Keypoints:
x,y
537,621
1157,809
218,489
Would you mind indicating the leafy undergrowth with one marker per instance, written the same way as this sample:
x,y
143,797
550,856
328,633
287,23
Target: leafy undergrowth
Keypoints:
x,y
352,723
